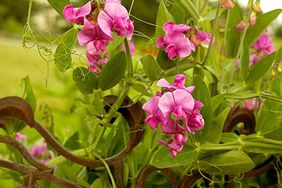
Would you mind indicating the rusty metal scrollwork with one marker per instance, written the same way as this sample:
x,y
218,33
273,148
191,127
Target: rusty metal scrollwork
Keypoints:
x,y
18,108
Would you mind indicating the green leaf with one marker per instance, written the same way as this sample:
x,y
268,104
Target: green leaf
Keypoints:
x,y
151,67
217,126
128,58
245,63
59,5
202,94
163,60
230,162
86,81
262,22
229,137
113,71
73,142
232,34
62,56
28,93
241,95
113,45
163,159
137,86
162,17
260,68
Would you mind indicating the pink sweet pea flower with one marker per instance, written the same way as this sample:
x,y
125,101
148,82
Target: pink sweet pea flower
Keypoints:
x,y
175,144
76,15
92,32
178,102
96,62
114,18
20,137
170,28
38,150
227,4
253,19
195,122
264,43
204,38
155,116
250,103
179,82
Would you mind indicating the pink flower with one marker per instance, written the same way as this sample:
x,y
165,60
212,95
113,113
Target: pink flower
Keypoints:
x,y
131,47
92,32
178,103
155,116
114,18
204,38
179,82
76,15
250,103
175,144
264,43
171,29
96,62
241,26
38,150
227,4
20,137
177,112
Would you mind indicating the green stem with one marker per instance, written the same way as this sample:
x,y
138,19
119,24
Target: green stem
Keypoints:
x,y
29,11
213,34
181,67
189,7
108,169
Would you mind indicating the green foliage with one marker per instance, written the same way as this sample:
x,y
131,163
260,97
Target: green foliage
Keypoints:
x,y
262,22
162,17
163,159
230,162
260,68
151,67
85,80
62,55
113,71
58,5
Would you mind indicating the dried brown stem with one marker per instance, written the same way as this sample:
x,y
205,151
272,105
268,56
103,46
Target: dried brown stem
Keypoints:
x,y
13,142
44,175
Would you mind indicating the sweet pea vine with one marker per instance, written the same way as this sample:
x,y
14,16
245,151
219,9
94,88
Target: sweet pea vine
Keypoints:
x,y
99,24
177,112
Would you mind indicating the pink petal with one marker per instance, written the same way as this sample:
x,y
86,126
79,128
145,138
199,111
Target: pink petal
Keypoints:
x,y
184,99
166,104
106,23
163,83
151,106
179,80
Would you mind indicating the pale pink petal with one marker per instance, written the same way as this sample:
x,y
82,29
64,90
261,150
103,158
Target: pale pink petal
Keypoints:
x,y
163,83
105,22
184,99
166,104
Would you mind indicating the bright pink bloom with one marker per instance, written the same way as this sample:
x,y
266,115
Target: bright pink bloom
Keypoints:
x,y
179,82
131,47
241,26
204,38
96,62
227,4
264,43
175,144
155,116
177,112
20,137
171,29
76,15
178,103
114,18
92,32
250,103
38,150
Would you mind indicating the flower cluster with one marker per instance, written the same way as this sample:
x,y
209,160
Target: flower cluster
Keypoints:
x,y
41,153
177,112
99,25
181,40
262,48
